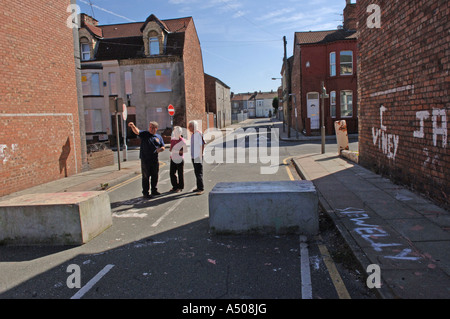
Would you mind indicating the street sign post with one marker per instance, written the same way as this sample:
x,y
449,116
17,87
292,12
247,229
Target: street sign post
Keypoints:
x,y
117,114
324,96
124,112
171,111
124,131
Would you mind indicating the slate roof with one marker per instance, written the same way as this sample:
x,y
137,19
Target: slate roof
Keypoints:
x,y
322,37
125,41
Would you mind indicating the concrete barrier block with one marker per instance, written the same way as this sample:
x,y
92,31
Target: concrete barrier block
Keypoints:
x,y
264,207
54,219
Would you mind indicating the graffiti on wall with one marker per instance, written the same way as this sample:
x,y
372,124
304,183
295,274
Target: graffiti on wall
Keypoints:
x,y
439,120
7,152
439,132
386,142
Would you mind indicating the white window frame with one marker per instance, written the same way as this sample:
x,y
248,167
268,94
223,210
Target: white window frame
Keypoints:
x,y
345,63
332,64
333,104
153,46
345,104
85,52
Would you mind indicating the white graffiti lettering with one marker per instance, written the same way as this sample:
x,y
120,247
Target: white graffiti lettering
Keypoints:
x,y
387,143
7,152
438,130
372,233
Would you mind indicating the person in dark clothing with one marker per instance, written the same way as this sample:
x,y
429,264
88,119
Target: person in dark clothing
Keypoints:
x,y
151,145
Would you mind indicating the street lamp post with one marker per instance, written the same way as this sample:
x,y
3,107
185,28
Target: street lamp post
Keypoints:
x,y
324,96
274,79
295,111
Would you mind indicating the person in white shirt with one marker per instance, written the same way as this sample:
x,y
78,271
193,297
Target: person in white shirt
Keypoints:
x,y
197,149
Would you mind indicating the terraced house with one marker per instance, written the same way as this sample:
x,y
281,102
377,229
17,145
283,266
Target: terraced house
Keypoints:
x,y
327,57
146,65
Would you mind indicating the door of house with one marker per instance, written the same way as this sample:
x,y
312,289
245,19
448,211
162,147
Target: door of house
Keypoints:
x,y
312,104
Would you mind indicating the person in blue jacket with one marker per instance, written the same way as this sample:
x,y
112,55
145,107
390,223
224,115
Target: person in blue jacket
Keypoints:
x,y
151,145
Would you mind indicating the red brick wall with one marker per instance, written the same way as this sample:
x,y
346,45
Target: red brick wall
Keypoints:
x,y
100,159
404,93
350,16
296,88
39,129
194,77
210,94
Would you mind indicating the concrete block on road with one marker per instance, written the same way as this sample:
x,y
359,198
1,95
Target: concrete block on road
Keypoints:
x,y
264,207
54,219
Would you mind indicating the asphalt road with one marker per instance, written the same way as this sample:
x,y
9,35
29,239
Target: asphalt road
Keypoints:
x,y
162,248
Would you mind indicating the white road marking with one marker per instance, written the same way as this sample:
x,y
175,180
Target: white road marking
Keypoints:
x,y
305,270
92,282
170,210
173,207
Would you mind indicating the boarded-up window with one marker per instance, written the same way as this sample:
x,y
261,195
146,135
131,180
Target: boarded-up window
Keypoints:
x,y
158,80
112,84
128,83
93,121
90,83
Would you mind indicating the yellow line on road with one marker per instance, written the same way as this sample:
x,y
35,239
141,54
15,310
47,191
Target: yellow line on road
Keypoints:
x,y
128,181
287,168
334,274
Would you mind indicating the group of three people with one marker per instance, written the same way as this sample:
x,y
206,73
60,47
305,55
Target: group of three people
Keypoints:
x,y
152,144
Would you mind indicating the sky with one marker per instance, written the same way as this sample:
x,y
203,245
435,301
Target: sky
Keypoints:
x,y
241,40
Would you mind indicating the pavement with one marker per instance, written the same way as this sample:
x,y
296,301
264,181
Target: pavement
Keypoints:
x,y
384,224
99,179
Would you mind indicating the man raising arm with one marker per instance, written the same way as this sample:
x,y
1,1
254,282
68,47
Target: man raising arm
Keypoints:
x,y
151,145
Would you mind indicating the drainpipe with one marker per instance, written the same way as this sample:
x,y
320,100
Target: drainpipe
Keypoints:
x,y
77,57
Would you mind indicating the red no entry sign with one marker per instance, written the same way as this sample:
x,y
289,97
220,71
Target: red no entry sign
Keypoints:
x,y
171,110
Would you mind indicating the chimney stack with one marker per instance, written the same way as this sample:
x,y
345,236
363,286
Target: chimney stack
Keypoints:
x,y
88,20
350,16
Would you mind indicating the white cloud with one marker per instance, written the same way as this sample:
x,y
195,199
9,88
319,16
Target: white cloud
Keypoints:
x,y
274,14
239,14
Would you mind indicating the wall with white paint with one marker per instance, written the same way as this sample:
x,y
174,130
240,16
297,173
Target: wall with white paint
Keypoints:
x,y
404,97
39,120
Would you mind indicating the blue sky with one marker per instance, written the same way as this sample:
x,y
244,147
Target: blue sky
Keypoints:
x,y
241,40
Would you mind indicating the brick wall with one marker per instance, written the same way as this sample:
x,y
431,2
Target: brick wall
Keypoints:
x,y
194,77
100,159
210,94
296,87
350,16
39,126
404,93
